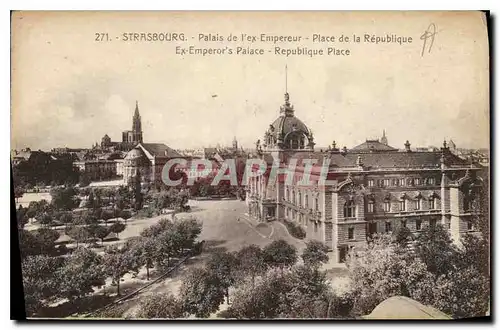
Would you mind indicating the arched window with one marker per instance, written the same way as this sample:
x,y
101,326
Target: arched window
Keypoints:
x,y
293,198
349,209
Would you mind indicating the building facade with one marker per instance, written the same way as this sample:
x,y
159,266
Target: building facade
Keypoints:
x,y
97,169
371,188
148,159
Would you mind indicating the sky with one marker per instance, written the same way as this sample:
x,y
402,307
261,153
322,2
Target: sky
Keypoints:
x,y
70,90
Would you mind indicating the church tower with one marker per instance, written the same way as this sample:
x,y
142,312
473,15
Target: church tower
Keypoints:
x,y
383,140
235,143
136,125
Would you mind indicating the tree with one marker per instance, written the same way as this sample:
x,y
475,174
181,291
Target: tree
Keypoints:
x,y
84,180
461,293
117,227
82,271
223,266
160,306
45,219
28,243
315,254
137,191
402,236
117,263
125,215
199,294
64,198
144,248
100,232
280,254
475,252
78,233
66,218
251,262
18,193
436,249
187,231
46,239
267,299
106,215
384,270
310,295
40,281
21,216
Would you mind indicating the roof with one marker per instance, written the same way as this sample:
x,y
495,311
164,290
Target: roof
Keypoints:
x,y
399,307
387,159
160,150
285,124
373,146
406,159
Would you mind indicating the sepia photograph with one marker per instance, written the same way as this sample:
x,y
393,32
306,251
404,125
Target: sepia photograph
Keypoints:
x,y
265,165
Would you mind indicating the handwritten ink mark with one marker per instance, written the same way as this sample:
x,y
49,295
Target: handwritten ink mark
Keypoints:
x,y
428,34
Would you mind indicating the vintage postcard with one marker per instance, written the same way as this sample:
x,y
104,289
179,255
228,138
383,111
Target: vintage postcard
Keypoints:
x,y
251,165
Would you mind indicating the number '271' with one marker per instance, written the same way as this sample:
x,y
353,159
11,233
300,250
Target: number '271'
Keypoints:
x,y
101,37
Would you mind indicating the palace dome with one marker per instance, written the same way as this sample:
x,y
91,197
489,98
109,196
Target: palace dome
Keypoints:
x,y
288,131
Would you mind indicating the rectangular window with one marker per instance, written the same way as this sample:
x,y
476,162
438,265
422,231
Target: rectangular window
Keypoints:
x,y
370,183
432,204
370,207
470,225
403,223
316,204
307,202
432,223
387,206
386,183
388,227
417,204
402,182
418,224
431,181
402,205
351,233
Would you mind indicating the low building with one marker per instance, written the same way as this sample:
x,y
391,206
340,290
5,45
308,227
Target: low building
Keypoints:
x,y
97,169
148,159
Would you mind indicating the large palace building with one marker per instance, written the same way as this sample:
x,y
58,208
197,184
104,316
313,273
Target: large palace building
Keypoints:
x,y
372,188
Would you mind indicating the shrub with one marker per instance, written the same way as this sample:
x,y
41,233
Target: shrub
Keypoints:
x,y
295,230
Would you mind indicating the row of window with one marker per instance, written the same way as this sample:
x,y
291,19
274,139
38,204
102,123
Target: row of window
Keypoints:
x,y
401,182
417,205
350,206
388,227
293,199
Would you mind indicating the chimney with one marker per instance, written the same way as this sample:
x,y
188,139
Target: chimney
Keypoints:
x,y
359,162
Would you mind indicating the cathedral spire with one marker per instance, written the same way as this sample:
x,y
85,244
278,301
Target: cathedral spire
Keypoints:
x,y
136,124
384,139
